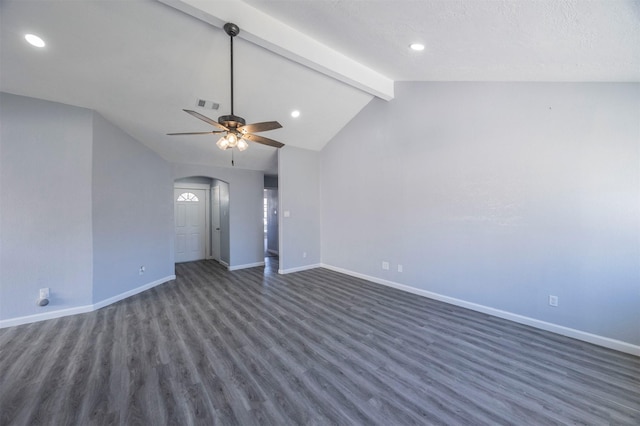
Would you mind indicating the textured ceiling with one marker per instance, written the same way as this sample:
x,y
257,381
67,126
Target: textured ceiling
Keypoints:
x,y
140,62
476,40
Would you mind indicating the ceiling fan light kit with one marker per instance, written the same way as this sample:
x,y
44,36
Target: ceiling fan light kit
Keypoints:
x,y
235,131
231,141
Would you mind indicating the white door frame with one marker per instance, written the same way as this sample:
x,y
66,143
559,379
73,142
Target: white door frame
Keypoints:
x,y
207,211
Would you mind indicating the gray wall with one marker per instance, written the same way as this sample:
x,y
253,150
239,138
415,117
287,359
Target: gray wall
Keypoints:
x,y
45,205
498,194
299,191
132,213
224,218
225,237
245,200
83,206
273,213
271,193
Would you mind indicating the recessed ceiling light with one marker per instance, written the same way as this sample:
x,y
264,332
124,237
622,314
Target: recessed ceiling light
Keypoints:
x,y
295,114
34,40
417,47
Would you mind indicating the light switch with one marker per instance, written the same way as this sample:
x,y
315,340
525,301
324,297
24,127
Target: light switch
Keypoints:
x,y
287,213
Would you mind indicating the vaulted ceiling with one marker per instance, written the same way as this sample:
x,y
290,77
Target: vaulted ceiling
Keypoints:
x,y
140,62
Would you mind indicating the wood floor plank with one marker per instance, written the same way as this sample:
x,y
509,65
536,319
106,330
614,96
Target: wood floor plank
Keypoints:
x,y
252,347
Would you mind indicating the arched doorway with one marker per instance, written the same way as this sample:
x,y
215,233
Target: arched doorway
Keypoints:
x,y
201,219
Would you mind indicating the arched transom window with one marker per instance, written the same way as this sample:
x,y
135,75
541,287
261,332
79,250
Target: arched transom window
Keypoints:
x,y
188,196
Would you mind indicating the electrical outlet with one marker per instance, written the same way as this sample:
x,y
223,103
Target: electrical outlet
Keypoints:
x,y
385,266
553,300
44,293
400,269
304,254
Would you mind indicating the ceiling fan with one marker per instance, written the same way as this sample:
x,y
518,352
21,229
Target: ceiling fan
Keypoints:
x,y
235,131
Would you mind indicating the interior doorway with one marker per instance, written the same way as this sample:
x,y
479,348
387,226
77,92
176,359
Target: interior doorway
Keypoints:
x,y
201,219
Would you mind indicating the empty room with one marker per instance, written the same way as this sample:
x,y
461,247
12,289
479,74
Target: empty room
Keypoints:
x,y
320,212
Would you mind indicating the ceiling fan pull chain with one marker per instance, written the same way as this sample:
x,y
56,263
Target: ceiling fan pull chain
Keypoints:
x,y
233,164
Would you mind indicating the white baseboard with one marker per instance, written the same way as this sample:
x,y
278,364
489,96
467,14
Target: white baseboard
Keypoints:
x,y
82,309
130,293
521,319
299,268
12,322
245,266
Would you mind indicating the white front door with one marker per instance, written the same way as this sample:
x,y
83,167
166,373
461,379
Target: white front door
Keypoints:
x,y
190,210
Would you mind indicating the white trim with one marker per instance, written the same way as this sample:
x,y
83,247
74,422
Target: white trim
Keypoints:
x,y
245,266
521,319
11,322
133,292
300,268
187,185
267,32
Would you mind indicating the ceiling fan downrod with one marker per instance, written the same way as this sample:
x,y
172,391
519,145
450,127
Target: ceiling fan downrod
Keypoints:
x,y
236,131
232,30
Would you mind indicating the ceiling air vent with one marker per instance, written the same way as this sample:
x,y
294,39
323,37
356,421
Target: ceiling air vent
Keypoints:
x,y
203,103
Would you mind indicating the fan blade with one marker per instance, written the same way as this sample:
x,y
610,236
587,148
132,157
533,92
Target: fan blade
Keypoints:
x,y
194,133
260,127
205,118
263,140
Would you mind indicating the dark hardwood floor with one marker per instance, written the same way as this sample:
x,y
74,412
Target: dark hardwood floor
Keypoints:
x,y
315,347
